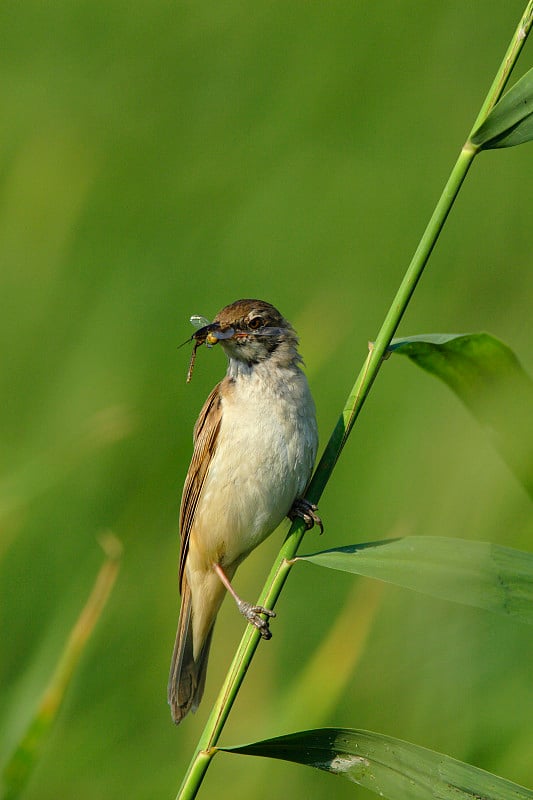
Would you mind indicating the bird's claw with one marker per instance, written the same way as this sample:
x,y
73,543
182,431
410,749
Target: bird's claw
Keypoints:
x,y
252,614
303,509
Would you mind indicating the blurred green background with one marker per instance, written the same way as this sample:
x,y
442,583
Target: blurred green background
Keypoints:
x,y
163,159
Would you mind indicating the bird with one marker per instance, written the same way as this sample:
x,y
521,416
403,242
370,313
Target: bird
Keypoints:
x,y
254,448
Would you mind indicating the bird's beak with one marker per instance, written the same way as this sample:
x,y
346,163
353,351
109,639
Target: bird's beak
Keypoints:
x,y
211,334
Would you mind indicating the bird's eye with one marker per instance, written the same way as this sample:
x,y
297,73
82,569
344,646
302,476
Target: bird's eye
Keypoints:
x,y
255,323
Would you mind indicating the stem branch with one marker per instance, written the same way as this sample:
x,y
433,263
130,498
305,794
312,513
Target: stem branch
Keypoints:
x,y
278,575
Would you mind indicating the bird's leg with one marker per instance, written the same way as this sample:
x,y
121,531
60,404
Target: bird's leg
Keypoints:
x,y
303,509
252,613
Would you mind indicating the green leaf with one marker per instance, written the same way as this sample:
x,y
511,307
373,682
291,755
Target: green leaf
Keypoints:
x,y
478,574
489,379
511,120
387,766
16,773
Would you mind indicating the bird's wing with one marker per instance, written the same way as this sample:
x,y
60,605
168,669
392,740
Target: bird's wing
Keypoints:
x,y
205,442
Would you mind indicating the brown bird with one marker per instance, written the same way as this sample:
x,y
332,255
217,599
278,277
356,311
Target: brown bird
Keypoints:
x,y
255,444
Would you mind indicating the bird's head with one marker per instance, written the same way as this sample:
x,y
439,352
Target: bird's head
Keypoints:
x,y
251,332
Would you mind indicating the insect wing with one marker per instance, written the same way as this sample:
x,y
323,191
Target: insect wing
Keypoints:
x,y
198,321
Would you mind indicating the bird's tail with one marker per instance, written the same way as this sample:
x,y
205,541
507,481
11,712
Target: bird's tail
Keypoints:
x,y
187,675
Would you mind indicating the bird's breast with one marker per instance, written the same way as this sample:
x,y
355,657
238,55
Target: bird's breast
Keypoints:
x,y
265,451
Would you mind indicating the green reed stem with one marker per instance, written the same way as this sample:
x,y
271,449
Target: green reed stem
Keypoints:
x,y
278,575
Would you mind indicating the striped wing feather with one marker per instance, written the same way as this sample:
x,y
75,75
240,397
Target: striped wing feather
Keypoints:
x,y
205,441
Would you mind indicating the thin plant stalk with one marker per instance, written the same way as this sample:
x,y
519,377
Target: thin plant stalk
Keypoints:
x,y
278,575
17,771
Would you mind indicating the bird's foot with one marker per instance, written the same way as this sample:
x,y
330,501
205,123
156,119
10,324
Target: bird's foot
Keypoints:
x,y
252,614
303,509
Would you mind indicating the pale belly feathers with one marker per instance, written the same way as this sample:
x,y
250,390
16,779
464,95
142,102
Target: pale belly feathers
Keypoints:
x,y
265,452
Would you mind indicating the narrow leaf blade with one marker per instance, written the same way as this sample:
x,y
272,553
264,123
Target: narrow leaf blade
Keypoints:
x,y
16,773
479,574
511,120
387,766
488,377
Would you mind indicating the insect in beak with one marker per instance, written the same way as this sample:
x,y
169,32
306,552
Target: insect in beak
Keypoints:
x,y
209,334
